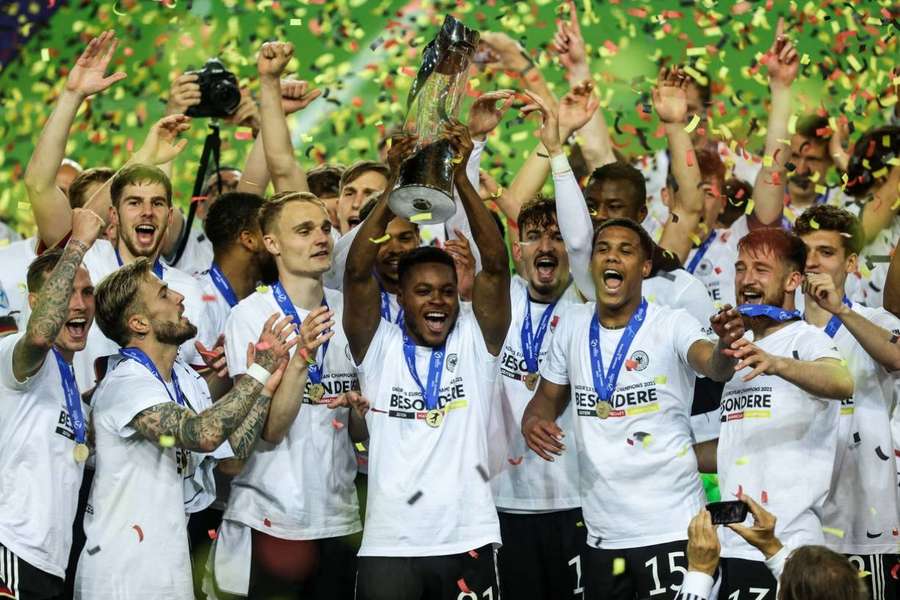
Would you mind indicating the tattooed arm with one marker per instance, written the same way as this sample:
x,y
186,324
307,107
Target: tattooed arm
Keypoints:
x,y
52,308
244,438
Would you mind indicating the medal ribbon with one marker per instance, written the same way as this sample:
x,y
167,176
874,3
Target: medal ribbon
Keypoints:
x,y
138,355
157,266
223,285
73,398
531,344
605,384
435,370
701,252
776,313
386,307
834,323
315,371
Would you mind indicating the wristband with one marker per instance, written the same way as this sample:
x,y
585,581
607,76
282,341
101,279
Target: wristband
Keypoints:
x,y
559,164
259,373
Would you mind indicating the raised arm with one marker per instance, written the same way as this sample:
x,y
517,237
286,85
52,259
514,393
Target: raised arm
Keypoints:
x,y
878,213
670,102
490,293
892,287
768,191
362,300
206,431
594,138
710,359
52,212
52,309
514,58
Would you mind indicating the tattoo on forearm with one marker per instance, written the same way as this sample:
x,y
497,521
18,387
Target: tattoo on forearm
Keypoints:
x,y
244,438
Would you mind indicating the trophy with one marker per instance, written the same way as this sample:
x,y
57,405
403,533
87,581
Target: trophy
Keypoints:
x,y
424,192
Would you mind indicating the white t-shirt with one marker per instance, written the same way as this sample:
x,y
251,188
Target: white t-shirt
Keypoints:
x,y
864,501
527,482
100,261
716,266
15,259
680,289
301,488
778,443
217,306
428,487
639,480
135,522
39,476
197,255
867,286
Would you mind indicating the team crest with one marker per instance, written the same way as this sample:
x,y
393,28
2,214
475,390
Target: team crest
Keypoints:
x,y
451,363
638,361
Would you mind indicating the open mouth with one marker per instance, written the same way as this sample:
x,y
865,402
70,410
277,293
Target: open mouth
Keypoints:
x,y
320,254
435,321
751,296
612,279
145,234
353,221
545,267
77,328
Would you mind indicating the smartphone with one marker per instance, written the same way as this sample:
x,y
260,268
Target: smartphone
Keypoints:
x,y
722,513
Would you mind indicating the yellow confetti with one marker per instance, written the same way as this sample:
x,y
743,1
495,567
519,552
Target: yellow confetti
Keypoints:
x,y
684,450
804,60
693,124
839,533
792,124
360,447
45,54
647,441
742,460
698,51
821,189
262,289
864,574
166,441
750,205
813,223
296,22
425,216
380,240
767,160
886,141
660,379
618,566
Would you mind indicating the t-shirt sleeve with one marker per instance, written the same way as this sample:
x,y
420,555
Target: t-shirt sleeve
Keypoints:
x,y
695,299
238,333
686,330
374,358
555,368
7,378
815,345
133,395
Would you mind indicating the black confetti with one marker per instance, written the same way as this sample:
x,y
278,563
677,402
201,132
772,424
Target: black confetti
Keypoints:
x,y
414,498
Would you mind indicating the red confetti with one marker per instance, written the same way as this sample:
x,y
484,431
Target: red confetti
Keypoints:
x,y
213,534
640,13
630,364
209,297
462,586
516,461
764,497
740,491
243,135
894,570
267,522
690,158
139,531
611,46
337,424
473,553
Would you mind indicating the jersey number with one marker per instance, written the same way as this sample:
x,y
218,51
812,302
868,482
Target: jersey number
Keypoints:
x,y
760,594
673,568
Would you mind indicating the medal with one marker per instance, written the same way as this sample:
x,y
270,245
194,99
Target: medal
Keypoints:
x,y
531,344
434,418
80,452
605,382
531,380
603,409
316,391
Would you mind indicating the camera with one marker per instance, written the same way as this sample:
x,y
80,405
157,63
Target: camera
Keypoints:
x,y
219,91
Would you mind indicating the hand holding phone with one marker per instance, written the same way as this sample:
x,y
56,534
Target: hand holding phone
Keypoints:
x,y
723,513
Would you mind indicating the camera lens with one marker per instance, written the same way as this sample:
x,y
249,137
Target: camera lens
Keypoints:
x,y
225,96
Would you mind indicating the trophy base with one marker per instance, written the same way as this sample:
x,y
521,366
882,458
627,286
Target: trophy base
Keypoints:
x,y
411,200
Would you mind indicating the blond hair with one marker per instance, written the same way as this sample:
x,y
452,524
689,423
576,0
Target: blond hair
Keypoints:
x,y
271,210
117,299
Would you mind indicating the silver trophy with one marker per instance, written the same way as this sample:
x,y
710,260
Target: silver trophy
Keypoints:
x,y
424,193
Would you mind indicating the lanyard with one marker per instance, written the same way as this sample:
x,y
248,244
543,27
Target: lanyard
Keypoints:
x,y
531,343
435,370
138,355
701,252
157,266
605,383
386,307
73,398
776,313
222,284
315,371
834,323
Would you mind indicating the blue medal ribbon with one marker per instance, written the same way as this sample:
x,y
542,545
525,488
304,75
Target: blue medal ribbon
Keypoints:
x,y
834,323
136,354
386,307
701,252
157,266
435,369
776,313
605,383
531,344
73,398
223,285
315,371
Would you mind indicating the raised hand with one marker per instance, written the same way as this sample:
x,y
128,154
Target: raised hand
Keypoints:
x,y
88,76
485,114
402,146
461,253
316,329
296,95
353,400
273,58
461,142
670,95
214,358
544,437
183,94
568,41
781,60
510,53
549,131
751,355
247,113
163,143
86,226
728,325
820,287
275,342
577,107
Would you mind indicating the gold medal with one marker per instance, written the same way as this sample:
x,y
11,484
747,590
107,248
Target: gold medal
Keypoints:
x,y
531,380
81,452
434,418
316,391
603,409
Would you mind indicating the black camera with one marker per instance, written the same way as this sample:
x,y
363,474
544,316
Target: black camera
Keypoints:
x,y
219,91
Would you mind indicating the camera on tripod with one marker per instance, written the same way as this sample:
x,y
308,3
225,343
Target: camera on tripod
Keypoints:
x,y
219,91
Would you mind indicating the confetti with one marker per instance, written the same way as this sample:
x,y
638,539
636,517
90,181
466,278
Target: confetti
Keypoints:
x,y
618,566
695,120
414,498
139,531
424,216
360,447
813,223
267,522
262,289
45,54
764,497
96,549
473,554
337,424
209,297
516,461
296,22
482,472
461,583
742,461
838,533
660,379
166,441
380,240
212,533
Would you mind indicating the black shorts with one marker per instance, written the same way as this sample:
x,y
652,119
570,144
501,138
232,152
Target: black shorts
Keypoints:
x,y
467,576
21,581
747,580
541,555
302,569
884,569
655,572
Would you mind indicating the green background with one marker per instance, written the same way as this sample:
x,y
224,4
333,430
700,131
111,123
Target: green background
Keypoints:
x,y
367,88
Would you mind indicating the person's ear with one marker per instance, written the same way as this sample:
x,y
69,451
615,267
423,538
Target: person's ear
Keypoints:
x,y
665,195
647,268
32,300
794,280
272,244
852,263
517,250
247,240
138,324
642,213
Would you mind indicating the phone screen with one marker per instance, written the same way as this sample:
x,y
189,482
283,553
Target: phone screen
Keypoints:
x,y
722,513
